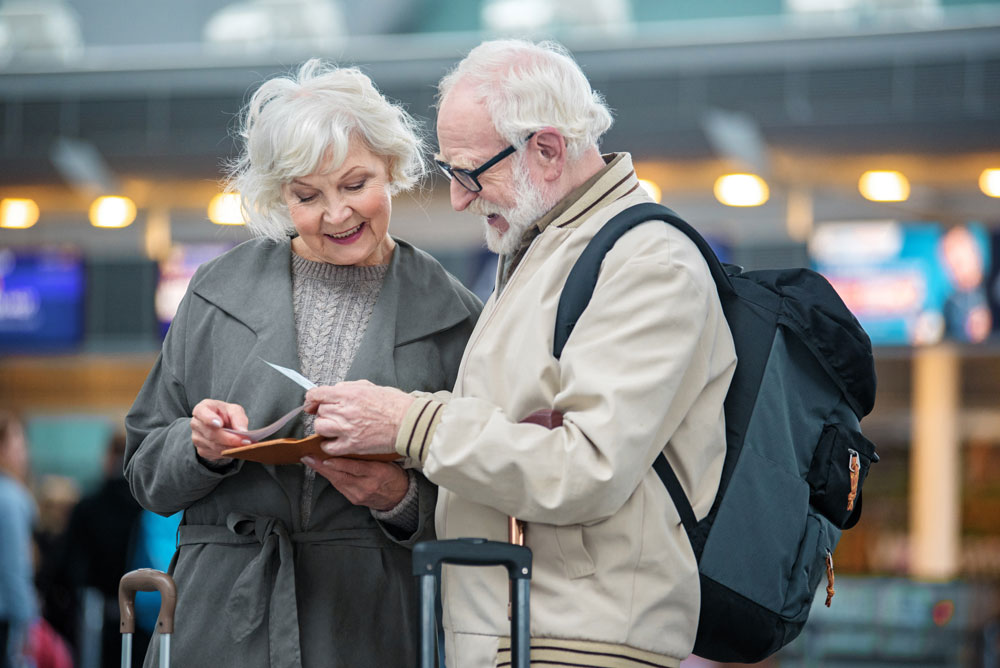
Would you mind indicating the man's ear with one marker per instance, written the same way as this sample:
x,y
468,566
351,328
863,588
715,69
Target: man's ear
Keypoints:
x,y
549,153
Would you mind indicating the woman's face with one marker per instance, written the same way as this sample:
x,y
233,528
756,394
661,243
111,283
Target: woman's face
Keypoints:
x,y
342,216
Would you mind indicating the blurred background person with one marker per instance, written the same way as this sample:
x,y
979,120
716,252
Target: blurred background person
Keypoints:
x,y
56,496
18,605
80,583
275,565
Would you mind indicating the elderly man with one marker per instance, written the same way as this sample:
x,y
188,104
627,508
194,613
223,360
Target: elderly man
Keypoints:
x,y
645,370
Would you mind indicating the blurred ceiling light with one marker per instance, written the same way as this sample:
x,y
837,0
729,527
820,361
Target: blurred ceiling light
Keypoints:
x,y
820,5
226,209
41,29
112,212
884,186
259,25
652,189
989,182
520,16
508,15
17,213
741,190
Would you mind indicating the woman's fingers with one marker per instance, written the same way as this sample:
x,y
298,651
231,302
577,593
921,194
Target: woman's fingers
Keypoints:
x,y
377,485
208,419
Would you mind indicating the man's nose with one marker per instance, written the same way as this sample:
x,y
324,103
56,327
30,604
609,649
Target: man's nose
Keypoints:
x,y
461,197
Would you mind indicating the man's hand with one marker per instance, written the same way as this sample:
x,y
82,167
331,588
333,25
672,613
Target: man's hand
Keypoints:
x,y
378,485
207,420
358,417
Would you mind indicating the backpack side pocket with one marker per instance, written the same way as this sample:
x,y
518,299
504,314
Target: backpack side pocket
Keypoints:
x,y
839,467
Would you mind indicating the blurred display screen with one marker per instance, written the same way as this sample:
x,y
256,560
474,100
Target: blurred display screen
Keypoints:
x,y
909,283
176,272
993,282
41,300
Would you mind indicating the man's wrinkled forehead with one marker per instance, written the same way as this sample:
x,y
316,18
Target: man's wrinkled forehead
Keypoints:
x,y
465,130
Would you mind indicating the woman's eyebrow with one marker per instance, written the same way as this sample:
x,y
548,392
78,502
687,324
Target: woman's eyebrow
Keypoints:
x,y
350,172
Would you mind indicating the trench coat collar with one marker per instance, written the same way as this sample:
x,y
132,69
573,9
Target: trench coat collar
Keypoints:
x,y
417,299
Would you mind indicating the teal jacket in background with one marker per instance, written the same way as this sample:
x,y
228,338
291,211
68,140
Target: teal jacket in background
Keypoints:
x,y
18,602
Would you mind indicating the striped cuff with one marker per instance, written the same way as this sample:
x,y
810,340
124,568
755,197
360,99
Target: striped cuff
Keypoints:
x,y
560,652
417,429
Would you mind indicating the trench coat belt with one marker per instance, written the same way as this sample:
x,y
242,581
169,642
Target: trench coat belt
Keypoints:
x,y
245,606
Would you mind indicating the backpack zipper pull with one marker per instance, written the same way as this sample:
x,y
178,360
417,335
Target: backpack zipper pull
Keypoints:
x,y
829,578
854,466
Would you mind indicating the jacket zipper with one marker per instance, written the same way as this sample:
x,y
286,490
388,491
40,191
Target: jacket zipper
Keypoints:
x,y
496,302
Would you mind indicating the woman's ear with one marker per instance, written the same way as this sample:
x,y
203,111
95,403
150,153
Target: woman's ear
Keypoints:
x,y
549,152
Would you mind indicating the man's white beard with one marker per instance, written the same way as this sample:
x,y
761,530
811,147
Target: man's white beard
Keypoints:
x,y
531,205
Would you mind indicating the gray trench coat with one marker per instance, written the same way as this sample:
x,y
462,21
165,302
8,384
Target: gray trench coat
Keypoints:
x,y
255,587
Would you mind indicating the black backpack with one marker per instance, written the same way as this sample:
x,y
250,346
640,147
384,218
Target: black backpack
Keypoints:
x,y
795,456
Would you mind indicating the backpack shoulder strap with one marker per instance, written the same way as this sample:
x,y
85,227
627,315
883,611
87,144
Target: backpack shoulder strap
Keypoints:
x,y
582,277
579,288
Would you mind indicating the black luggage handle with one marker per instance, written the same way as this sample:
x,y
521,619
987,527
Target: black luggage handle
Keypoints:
x,y
429,555
427,560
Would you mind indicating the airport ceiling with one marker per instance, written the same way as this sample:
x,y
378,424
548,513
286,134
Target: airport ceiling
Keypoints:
x,y
168,112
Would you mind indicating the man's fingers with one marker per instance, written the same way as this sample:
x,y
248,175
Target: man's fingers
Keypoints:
x,y
335,447
323,394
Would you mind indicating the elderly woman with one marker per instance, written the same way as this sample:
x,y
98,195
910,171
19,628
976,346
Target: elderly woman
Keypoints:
x,y
276,565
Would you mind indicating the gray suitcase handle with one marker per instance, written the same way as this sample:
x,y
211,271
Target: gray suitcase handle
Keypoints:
x,y
427,560
146,579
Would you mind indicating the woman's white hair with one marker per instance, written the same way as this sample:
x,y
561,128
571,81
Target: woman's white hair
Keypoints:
x,y
294,124
527,86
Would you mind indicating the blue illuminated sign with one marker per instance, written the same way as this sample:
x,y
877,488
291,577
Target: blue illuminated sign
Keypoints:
x,y
41,300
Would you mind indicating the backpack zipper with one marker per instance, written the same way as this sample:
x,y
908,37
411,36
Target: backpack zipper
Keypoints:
x,y
854,466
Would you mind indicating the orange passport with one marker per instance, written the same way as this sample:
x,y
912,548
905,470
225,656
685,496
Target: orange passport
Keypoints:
x,y
291,450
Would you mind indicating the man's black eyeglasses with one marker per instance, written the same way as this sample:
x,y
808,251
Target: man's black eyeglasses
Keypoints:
x,y
469,178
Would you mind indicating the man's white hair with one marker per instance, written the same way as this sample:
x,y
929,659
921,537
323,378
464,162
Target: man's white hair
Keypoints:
x,y
293,124
527,86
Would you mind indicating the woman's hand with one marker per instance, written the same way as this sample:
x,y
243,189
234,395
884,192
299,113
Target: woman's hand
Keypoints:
x,y
207,421
377,485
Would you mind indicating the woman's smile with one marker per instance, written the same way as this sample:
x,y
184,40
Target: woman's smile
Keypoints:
x,y
347,237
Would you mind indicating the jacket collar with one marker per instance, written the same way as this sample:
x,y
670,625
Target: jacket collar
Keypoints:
x,y
615,180
612,182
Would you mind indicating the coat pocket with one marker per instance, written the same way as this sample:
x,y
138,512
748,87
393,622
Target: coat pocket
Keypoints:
x,y
576,559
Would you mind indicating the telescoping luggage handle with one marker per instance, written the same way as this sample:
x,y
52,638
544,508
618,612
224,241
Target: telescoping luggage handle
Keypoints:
x,y
427,560
147,579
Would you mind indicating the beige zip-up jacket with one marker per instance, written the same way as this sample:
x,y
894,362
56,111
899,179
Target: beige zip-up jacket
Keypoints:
x,y
646,369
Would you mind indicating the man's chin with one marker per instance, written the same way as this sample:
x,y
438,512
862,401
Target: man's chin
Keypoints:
x,y
494,238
